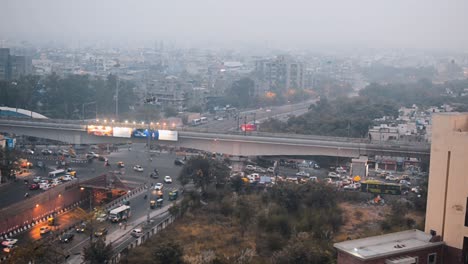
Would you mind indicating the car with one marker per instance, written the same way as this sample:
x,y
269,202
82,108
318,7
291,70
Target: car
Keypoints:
x,y
138,168
250,167
158,186
260,169
101,232
63,152
316,166
29,151
405,182
92,155
416,189
271,169
313,179
351,187
45,186
340,170
333,175
46,152
37,179
68,177
391,178
9,248
179,162
44,230
67,237
154,175
101,217
80,228
167,179
327,180
268,110
303,174
137,232
9,241
34,186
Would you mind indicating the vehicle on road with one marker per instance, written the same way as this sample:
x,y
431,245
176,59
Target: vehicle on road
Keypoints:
x,y
9,248
405,182
120,164
271,169
57,173
179,162
173,195
138,168
416,189
9,241
67,178
340,170
327,180
80,228
44,230
158,186
101,232
260,170
137,232
313,179
67,237
250,167
37,179
167,179
316,166
154,175
333,175
303,174
101,217
351,187
92,155
46,152
29,151
120,213
391,178
34,186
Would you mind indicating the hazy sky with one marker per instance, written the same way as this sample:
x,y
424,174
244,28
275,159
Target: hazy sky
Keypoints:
x,y
425,24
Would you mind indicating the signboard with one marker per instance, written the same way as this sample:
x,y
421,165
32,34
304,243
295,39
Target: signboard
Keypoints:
x,y
100,130
248,127
169,135
124,132
10,143
140,133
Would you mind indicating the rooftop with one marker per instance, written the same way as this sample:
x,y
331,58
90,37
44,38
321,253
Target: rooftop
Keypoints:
x,y
386,245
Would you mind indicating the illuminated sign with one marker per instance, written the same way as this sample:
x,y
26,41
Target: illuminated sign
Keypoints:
x,y
124,132
100,130
168,135
140,133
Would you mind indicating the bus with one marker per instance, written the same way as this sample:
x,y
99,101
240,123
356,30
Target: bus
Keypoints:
x,y
203,120
57,173
377,187
120,213
196,122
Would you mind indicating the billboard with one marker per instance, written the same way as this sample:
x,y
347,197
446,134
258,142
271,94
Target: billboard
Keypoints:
x,y
124,132
140,133
168,135
100,130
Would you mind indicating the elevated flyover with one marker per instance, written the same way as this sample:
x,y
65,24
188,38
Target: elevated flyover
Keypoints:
x,y
75,132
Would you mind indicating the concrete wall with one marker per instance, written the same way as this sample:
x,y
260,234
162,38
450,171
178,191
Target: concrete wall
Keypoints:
x,y
448,181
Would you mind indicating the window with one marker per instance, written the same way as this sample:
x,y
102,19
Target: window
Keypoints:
x,y
432,258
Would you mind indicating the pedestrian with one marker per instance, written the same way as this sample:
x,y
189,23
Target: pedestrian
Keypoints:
x,y
120,225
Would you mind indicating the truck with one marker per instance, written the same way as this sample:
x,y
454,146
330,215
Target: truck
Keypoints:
x,y
120,213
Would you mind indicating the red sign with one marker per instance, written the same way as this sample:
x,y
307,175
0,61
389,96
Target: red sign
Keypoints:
x,y
248,127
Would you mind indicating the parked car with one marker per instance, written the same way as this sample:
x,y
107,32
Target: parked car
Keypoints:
x,y
101,232
138,168
250,167
303,174
9,241
137,232
167,179
179,162
44,230
67,237
158,186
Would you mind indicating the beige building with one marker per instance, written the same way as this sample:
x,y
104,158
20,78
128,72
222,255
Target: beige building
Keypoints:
x,y
447,202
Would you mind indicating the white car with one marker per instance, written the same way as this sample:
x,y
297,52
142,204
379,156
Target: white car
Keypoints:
x,y
37,179
9,241
250,167
29,151
352,187
46,152
260,169
303,174
405,182
137,232
138,168
271,169
67,178
333,175
167,179
92,155
158,186
391,178
101,217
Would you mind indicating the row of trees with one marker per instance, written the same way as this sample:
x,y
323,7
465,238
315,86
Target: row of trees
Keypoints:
x,y
64,97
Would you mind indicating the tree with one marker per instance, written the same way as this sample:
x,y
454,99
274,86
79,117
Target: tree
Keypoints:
x,y
97,252
241,92
170,111
204,172
168,253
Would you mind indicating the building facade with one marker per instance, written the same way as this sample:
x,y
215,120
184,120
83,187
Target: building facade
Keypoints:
x,y
447,202
281,73
12,66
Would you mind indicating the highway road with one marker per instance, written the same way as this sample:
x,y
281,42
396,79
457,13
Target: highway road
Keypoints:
x,y
262,114
164,162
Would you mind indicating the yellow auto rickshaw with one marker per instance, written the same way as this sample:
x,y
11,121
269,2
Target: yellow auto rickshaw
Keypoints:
x,y
51,221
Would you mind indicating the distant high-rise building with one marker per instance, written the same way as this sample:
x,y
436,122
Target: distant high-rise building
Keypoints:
x,y
281,73
12,66
4,64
